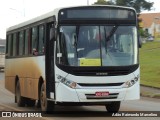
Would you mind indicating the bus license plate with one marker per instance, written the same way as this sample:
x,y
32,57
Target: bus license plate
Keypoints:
x,y
102,93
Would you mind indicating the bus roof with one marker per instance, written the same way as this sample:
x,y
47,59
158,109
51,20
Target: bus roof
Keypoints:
x,y
55,12
36,19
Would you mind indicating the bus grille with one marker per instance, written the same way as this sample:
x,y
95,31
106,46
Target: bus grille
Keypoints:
x,y
101,73
100,84
110,96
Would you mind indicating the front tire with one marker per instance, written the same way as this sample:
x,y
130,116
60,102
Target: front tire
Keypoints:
x,y
46,106
19,99
113,107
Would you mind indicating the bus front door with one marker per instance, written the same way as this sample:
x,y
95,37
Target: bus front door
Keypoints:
x,y
50,76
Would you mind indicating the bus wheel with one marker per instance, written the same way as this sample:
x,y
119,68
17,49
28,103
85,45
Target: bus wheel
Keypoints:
x,y
113,107
46,106
19,99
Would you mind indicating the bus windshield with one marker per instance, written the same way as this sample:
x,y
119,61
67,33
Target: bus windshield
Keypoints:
x,y
107,45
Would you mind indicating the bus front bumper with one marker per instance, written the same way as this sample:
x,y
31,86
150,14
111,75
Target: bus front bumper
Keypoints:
x,y
67,94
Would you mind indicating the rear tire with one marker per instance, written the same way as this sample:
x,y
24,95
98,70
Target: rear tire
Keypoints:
x,y
19,99
113,107
46,106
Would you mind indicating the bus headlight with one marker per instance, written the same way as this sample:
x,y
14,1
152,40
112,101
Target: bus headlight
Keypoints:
x,y
130,83
67,82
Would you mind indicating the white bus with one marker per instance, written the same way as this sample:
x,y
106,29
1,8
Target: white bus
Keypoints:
x,y
84,55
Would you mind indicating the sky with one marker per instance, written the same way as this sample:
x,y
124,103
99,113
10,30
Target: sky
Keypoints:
x,y
15,11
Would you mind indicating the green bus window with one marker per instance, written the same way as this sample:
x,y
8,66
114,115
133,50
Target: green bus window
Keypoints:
x,y
21,43
9,45
15,44
34,40
26,40
41,40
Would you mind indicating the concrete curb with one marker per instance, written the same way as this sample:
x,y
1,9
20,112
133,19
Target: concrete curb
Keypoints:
x,y
156,96
150,93
150,87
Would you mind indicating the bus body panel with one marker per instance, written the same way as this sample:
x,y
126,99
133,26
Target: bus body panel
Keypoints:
x,y
119,93
28,70
133,92
10,84
66,94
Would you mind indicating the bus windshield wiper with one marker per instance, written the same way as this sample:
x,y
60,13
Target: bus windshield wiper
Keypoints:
x,y
107,38
76,40
76,37
111,33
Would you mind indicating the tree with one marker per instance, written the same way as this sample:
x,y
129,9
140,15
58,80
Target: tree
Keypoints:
x,y
103,2
139,5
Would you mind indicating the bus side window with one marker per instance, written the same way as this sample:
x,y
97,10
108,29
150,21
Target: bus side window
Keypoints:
x,y
21,43
26,41
15,45
9,45
34,41
41,39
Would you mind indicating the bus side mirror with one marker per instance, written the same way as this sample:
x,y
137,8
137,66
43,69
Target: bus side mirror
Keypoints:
x,y
139,41
53,33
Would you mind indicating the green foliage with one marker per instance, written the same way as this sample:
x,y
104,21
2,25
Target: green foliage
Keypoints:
x,y
139,5
143,33
103,2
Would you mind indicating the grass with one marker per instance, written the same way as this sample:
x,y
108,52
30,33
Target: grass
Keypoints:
x,y
150,64
149,94
158,38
